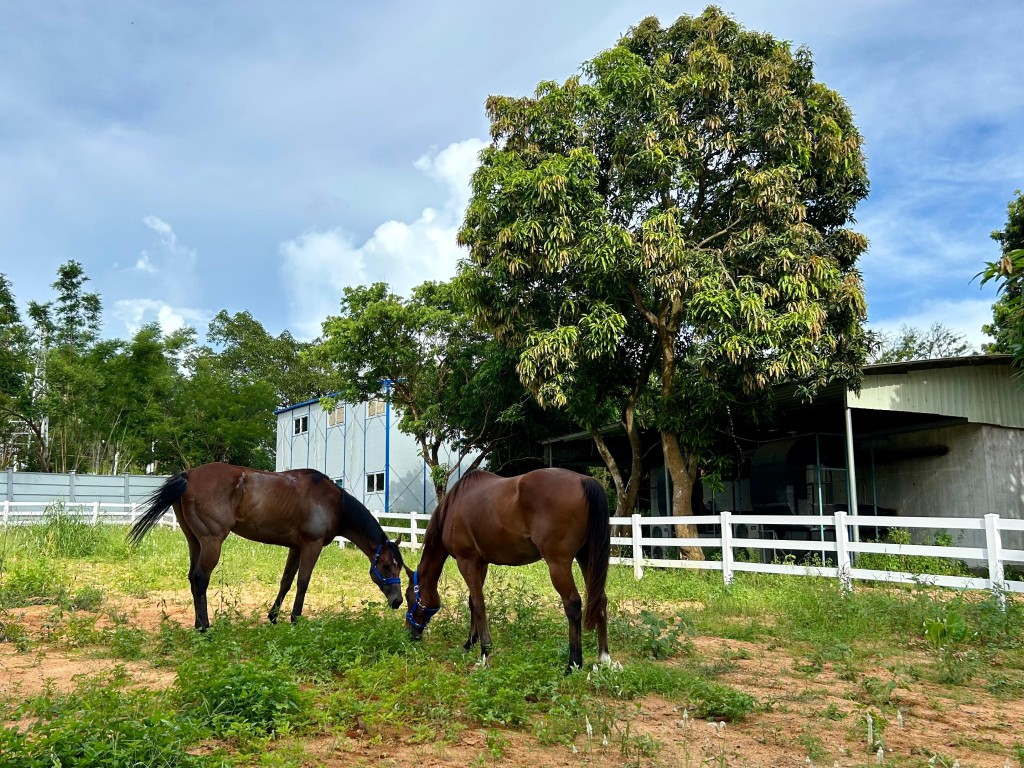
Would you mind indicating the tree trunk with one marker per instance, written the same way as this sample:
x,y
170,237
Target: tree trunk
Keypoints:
x,y
682,469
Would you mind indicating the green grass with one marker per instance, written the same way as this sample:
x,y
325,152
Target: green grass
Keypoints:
x,y
247,691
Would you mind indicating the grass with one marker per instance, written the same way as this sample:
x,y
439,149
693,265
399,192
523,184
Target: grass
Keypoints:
x,y
249,693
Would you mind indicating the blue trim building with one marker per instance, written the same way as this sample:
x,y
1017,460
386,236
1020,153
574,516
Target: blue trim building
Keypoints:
x,y
360,447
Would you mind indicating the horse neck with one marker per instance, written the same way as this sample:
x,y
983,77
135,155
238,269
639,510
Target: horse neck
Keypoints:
x,y
362,529
432,560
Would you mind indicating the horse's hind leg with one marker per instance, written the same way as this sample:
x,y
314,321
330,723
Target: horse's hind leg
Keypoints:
x,y
565,585
474,631
308,556
291,565
209,556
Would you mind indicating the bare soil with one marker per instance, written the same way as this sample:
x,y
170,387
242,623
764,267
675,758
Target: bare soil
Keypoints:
x,y
811,714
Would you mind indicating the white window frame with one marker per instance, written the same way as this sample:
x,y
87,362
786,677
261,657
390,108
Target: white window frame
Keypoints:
x,y
300,425
336,416
373,480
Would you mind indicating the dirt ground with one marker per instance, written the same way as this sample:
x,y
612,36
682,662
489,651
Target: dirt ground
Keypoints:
x,y
809,715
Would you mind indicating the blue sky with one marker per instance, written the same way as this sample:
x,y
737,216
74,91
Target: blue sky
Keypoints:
x,y
260,156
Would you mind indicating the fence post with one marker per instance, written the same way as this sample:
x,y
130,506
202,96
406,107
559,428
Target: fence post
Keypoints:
x,y
7,511
727,559
412,530
638,555
994,548
843,552
95,512
134,513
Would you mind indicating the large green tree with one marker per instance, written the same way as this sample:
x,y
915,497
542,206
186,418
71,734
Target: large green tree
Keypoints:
x,y
453,386
1008,271
698,183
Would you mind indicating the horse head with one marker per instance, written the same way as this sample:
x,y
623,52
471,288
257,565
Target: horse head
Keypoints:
x,y
386,572
418,615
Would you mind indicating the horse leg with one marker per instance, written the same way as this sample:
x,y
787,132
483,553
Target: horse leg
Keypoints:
x,y
603,656
291,565
565,585
308,556
474,632
473,573
209,556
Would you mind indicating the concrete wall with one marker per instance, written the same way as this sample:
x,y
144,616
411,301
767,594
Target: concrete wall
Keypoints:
x,y
45,487
981,474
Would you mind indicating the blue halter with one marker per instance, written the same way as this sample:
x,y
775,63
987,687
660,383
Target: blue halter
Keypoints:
x,y
411,613
379,575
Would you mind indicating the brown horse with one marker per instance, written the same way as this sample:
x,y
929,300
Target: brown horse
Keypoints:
x,y
552,514
301,509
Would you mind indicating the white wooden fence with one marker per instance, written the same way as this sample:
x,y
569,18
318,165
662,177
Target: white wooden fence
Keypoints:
x,y
841,527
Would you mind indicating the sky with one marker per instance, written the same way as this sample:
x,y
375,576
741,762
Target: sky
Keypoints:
x,y
261,156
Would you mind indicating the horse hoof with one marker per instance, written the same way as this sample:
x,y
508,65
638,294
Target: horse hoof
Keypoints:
x,y
272,618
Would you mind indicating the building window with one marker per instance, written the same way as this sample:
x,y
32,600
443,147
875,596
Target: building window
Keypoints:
x,y
336,416
374,482
375,408
301,425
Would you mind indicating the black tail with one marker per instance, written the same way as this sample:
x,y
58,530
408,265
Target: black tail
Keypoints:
x,y
158,503
598,546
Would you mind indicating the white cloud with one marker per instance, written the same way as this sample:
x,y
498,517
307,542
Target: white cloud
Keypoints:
x,y
319,264
135,313
167,252
168,268
964,316
144,264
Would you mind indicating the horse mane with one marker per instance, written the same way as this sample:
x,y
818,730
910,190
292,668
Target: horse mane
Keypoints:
x,y
432,536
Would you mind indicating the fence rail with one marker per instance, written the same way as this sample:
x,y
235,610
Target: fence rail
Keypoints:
x,y
839,542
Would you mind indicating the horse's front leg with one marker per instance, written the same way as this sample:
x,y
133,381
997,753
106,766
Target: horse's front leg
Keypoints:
x,y
308,556
474,572
474,631
291,565
565,585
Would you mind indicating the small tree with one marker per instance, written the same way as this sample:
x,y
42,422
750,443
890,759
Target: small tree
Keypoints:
x,y
912,343
451,383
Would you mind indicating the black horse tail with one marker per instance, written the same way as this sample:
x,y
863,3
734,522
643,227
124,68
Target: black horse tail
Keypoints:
x,y
162,498
598,548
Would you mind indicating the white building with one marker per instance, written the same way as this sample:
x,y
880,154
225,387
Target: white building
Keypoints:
x,y
360,447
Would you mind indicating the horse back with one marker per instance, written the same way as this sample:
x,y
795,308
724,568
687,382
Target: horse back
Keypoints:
x,y
285,508
519,519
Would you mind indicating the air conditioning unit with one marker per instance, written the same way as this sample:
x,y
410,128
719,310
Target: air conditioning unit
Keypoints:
x,y
657,551
748,531
662,532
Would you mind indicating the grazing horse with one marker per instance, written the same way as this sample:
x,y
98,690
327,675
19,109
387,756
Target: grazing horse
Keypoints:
x,y
301,509
554,514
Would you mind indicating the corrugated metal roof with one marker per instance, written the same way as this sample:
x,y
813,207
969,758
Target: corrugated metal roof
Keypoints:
x,y
980,389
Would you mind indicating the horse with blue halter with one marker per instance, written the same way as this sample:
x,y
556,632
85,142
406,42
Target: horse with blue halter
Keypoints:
x,y
301,509
550,514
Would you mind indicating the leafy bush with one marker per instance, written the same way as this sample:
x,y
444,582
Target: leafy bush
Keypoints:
x,y
932,566
239,698
36,582
100,725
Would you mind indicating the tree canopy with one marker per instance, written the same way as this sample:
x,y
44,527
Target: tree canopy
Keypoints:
x,y
1008,271
913,343
72,400
689,198
453,385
